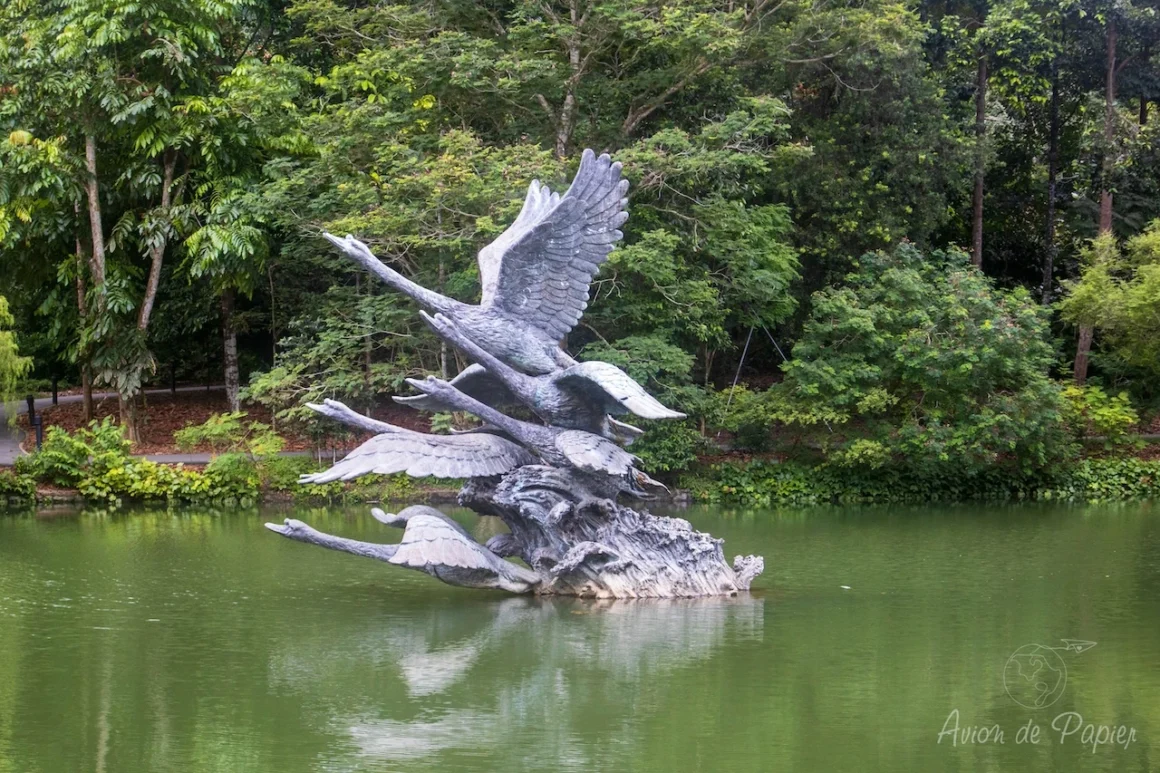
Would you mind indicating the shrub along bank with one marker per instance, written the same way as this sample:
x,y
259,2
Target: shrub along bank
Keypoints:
x,y
96,463
764,483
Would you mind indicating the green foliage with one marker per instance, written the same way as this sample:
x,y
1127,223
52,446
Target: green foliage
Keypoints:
x,y
1089,410
337,348
227,432
96,462
108,103
767,146
219,431
749,415
16,486
763,483
281,473
1097,480
890,141
645,358
1118,293
385,488
244,477
133,478
234,475
443,423
67,458
368,488
13,367
702,255
923,357
668,446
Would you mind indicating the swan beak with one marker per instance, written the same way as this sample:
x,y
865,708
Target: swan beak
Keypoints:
x,y
639,481
645,480
281,528
390,519
619,432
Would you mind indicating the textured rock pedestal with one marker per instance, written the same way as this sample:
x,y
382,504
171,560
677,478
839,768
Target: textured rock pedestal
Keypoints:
x,y
585,546
576,542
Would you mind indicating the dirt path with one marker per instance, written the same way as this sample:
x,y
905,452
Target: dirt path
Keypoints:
x,y
11,436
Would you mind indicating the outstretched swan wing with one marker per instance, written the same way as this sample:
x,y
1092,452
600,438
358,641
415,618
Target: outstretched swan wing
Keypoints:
x,y
539,269
611,386
593,453
432,544
419,455
538,204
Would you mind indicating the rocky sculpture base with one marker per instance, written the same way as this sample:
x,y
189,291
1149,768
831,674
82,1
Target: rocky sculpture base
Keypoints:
x,y
575,538
582,544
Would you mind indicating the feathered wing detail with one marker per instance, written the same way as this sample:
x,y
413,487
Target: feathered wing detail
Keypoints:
x,y
537,204
433,544
474,381
420,455
593,453
546,265
612,386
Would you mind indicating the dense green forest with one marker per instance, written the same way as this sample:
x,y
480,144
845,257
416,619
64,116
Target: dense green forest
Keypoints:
x,y
915,235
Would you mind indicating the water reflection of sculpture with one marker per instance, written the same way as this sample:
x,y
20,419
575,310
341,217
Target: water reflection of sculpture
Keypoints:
x,y
516,679
554,484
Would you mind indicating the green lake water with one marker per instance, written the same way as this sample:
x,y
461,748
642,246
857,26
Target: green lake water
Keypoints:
x,y
193,640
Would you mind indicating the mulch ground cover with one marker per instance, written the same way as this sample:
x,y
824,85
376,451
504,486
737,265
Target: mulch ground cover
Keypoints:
x,y
160,415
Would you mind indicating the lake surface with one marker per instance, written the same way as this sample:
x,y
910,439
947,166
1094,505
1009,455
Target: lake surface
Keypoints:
x,y
194,640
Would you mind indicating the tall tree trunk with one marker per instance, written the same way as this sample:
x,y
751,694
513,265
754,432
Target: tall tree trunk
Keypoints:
x,y
97,258
127,407
273,316
1052,175
564,127
1082,350
567,120
87,391
1109,131
128,403
564,119
83,315
1087,332
230,350
83,355
157,251
980,161
92,189
1146,62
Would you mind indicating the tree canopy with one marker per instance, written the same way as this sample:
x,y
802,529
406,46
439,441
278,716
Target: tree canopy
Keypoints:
x,y
806,177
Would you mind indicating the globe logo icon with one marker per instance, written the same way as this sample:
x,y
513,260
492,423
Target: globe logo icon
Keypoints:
x,y
1035,675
